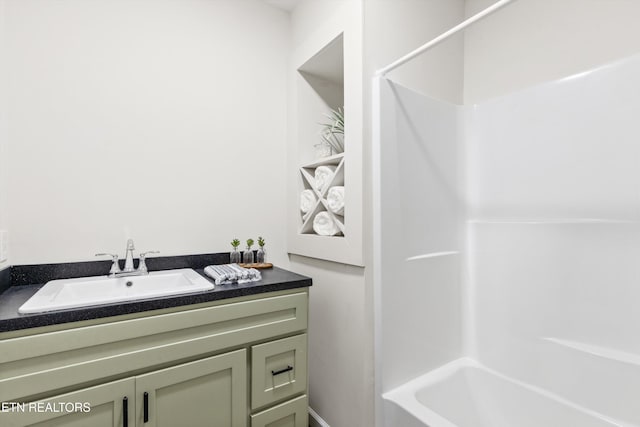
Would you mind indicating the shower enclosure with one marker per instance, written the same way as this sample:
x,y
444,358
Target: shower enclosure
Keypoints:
x,y
508,254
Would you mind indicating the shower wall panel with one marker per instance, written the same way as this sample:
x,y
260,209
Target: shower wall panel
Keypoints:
x,y
554,235
421,239
564,149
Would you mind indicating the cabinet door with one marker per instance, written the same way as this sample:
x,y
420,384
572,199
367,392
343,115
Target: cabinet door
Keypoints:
x,y
108,404
211,392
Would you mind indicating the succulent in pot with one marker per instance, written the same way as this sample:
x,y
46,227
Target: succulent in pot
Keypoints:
x,y
247,256
261,255
234,256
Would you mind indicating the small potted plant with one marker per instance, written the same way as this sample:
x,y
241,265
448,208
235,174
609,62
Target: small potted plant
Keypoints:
x,y
247,256
332,134
261,255
235,255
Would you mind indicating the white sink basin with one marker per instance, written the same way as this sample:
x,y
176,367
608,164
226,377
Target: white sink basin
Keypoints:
x,y
87,291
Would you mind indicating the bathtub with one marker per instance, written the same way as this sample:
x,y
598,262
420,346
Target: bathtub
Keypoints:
x,y
464,393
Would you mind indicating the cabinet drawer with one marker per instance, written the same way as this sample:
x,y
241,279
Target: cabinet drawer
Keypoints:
x,y
289,414
278,370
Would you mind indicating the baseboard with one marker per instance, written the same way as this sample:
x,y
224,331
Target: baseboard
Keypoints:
x,y
315,420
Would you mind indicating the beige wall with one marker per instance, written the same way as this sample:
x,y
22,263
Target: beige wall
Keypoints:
x,y
532,41
164,121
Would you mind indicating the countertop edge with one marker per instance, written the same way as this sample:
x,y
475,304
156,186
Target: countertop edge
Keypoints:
x,y
275,279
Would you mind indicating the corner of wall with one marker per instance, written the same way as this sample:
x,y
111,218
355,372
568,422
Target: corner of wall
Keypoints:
x,y
4,143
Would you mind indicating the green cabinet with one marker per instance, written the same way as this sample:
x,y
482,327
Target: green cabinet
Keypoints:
x,y
218,365
206,393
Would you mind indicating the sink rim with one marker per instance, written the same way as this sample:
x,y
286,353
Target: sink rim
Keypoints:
x,y
37,302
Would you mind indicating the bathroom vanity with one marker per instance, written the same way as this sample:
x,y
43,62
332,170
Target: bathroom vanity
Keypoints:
x,y
230,357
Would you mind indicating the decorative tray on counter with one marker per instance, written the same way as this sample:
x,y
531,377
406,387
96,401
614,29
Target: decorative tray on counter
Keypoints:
x,y
257,265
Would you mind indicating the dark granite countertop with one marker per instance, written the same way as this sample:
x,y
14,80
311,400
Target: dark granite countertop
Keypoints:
x,y
26,280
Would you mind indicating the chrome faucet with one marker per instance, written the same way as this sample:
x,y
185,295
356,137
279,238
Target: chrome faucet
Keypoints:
x,y
128,260
128,270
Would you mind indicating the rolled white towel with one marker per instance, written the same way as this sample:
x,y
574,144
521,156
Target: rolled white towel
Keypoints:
x,y
335,199
324,225
307,200
323,175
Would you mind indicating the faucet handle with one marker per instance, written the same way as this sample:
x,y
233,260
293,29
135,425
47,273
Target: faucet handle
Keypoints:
x,y
142,265
113,256
115,267
144,254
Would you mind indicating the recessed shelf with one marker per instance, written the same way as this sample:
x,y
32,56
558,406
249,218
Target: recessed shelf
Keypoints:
x,y
321,205
332,160
323,83
327,76
327,64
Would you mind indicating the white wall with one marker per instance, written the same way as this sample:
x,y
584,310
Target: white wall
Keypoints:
x,y
394,28
532,41
340,348
4,162
164,121
340,353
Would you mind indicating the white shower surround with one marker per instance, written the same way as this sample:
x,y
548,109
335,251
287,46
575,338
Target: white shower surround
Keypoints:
x,y
513,244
